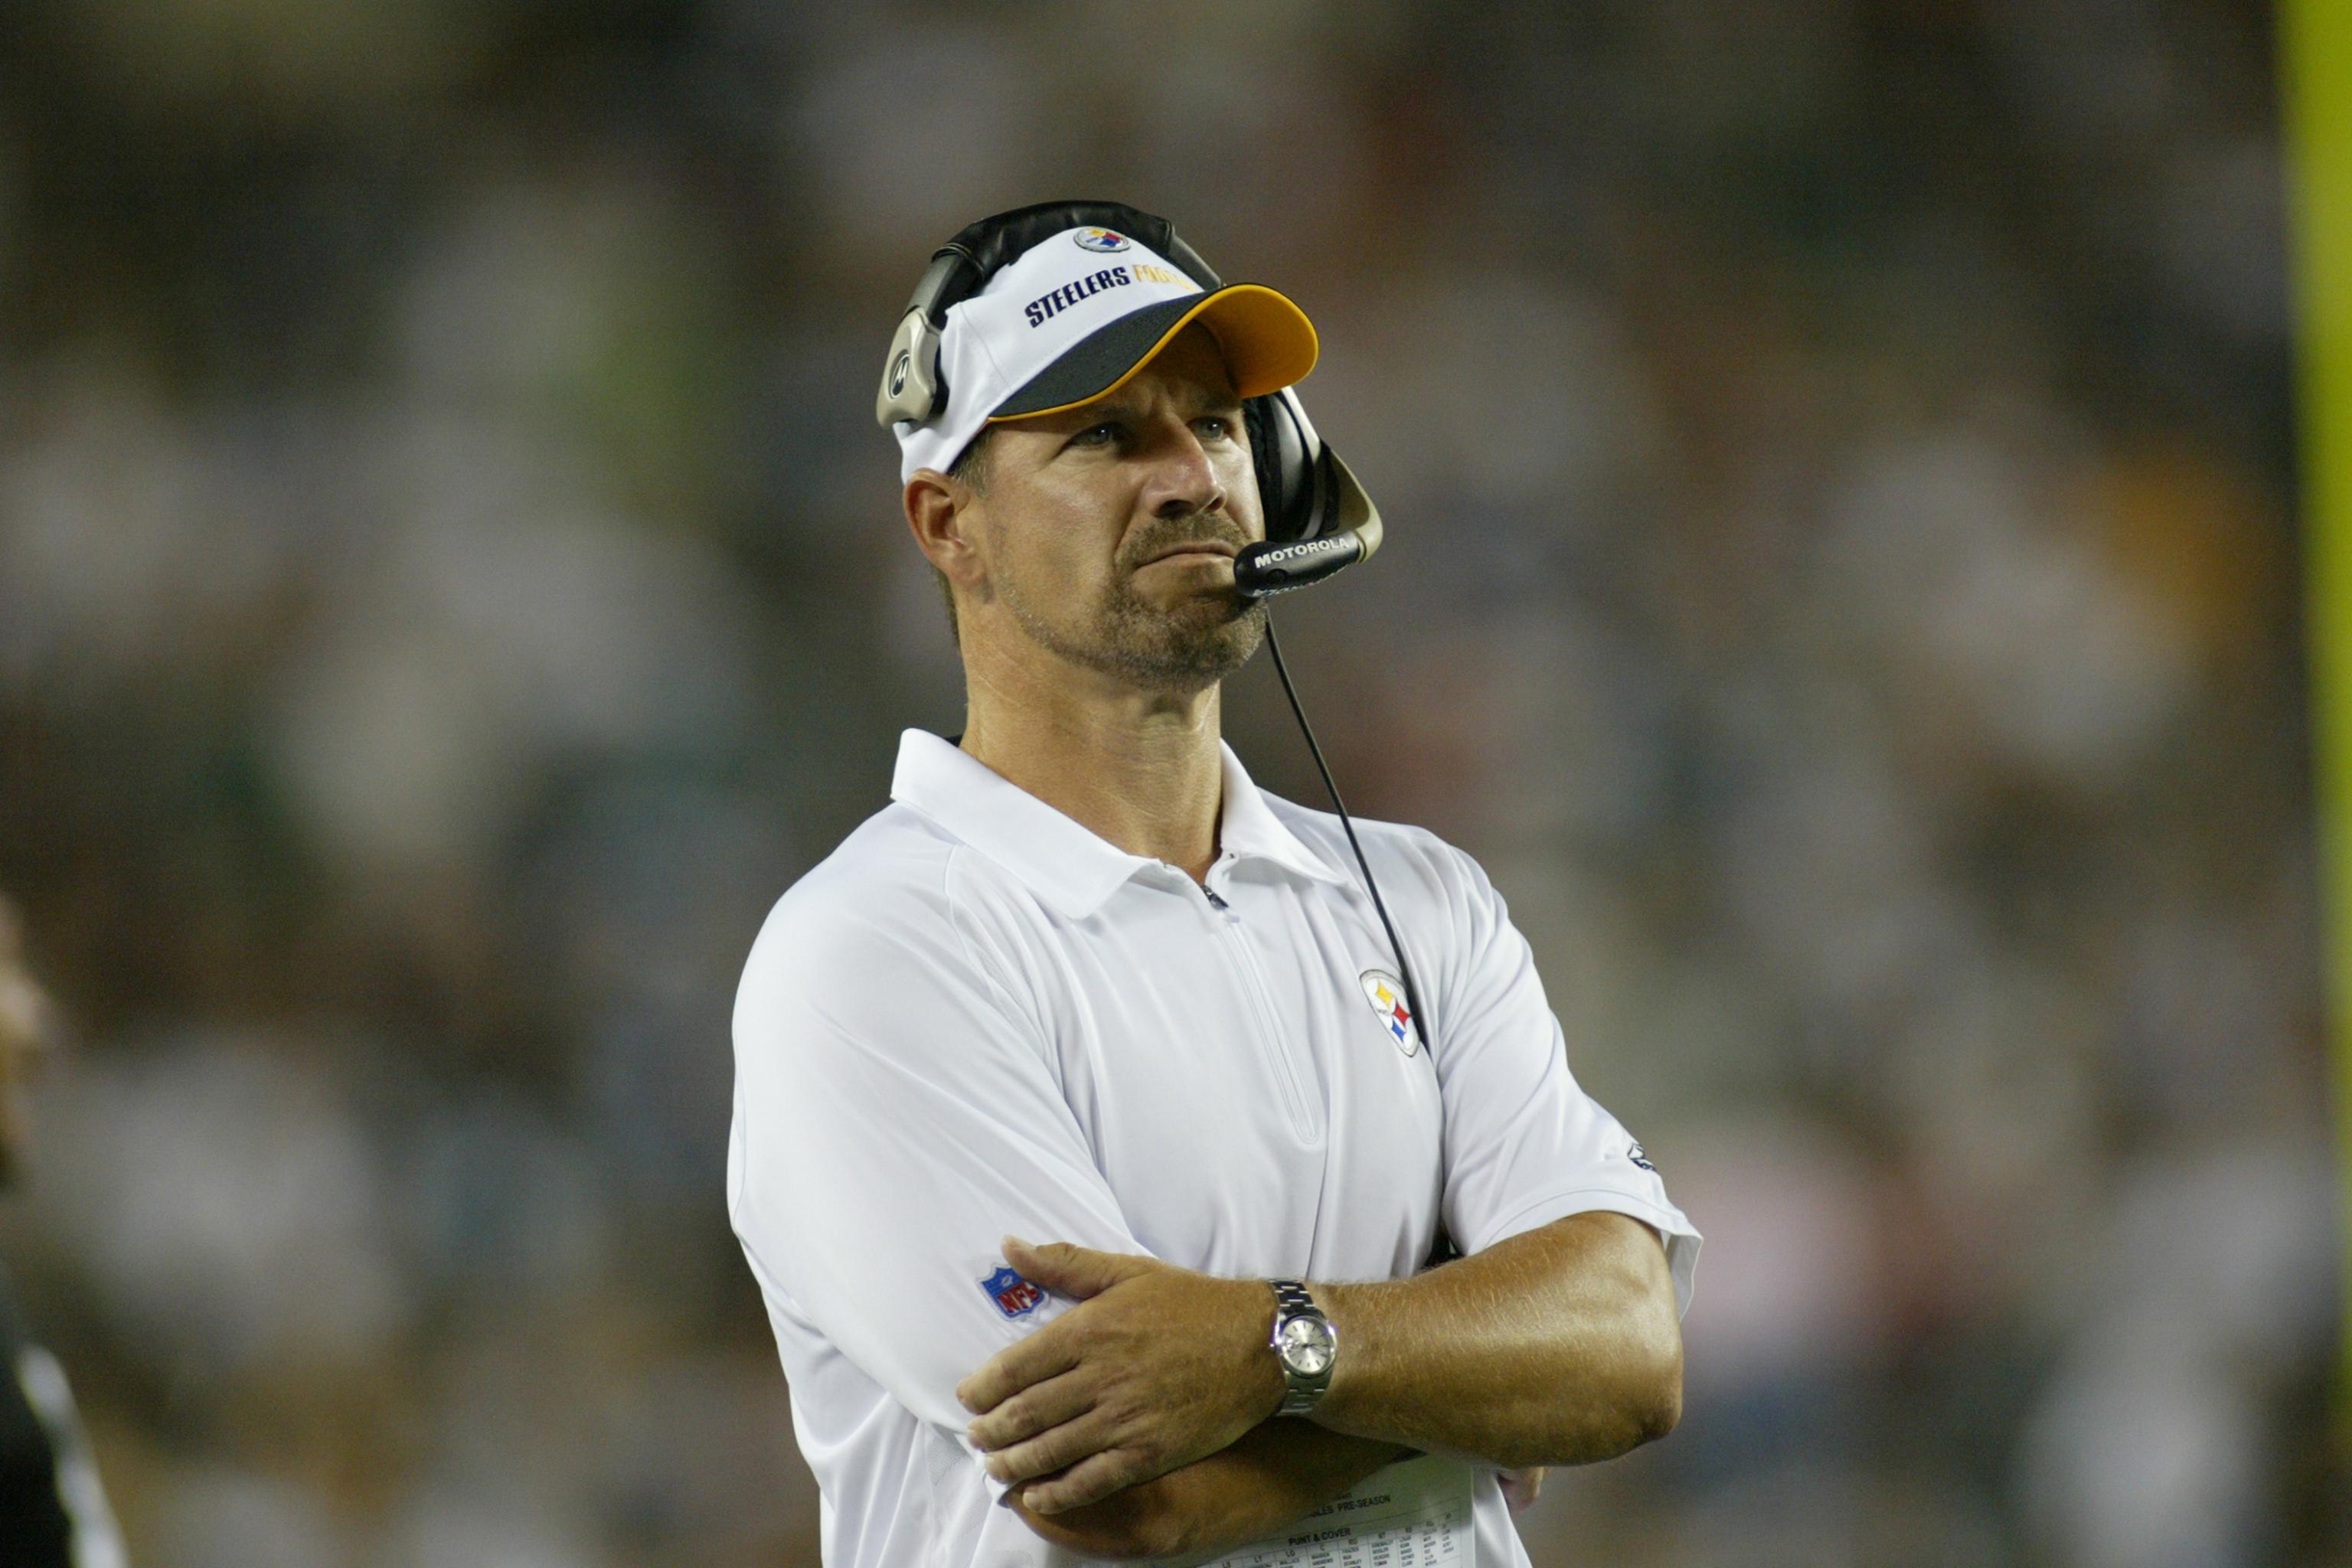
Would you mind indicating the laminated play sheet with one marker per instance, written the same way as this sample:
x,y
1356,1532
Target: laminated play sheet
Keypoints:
x,y
1414,1513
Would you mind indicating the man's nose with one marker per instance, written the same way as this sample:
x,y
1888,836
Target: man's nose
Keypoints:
x,y
1183,480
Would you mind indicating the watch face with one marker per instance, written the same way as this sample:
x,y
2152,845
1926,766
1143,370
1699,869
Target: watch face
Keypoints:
x,y
1307,1346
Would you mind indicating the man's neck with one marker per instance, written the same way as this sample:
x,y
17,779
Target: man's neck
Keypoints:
x,y
1140,770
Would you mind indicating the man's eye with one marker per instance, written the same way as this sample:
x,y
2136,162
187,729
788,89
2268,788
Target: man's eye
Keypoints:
x,y
1097,436
1218,426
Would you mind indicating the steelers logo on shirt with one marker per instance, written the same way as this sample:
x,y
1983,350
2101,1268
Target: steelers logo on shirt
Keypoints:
x,y
1385,991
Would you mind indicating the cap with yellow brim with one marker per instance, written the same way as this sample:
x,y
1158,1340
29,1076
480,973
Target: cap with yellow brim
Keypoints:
x,y
1267,341
1075,317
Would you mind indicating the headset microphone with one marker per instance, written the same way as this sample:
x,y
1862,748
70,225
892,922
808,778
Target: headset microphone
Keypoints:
x,y
1264,570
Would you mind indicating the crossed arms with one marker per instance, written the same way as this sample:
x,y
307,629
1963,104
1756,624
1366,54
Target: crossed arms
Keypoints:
x,y
1136,1425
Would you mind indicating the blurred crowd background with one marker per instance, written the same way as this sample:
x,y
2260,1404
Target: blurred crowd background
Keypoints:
x,y
1841,582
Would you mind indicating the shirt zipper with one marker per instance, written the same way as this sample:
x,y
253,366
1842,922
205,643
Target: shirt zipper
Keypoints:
x,y
1269,1033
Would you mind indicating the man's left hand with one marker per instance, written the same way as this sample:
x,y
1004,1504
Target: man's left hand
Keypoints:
x,y
1157,1366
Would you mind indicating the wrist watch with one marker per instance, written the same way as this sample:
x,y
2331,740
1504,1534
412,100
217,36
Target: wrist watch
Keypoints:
x,y
1306,1345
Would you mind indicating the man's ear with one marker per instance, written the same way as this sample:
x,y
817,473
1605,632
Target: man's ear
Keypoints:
x,y
941,510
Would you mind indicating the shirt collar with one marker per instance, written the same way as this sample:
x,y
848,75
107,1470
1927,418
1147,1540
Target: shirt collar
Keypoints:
x,y
1069,866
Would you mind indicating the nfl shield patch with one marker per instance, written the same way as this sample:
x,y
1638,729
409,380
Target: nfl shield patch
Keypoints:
x,y
1014,1296
1385,991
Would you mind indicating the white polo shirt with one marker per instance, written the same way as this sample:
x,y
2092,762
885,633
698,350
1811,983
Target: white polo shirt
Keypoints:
x,y
977,1018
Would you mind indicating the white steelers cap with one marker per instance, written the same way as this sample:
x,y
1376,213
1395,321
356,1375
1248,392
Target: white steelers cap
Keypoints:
x,y
1073,318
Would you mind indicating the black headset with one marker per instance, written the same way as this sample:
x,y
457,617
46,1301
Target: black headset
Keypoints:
x,y
1317,517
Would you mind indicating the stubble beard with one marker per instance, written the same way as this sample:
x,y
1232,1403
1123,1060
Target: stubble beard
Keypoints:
x,y
1194,644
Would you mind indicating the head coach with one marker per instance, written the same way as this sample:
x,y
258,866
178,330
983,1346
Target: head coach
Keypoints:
x,y
1089,1141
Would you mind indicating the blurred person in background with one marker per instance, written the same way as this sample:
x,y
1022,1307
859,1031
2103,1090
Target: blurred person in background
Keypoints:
x,y
1084,982
53,1512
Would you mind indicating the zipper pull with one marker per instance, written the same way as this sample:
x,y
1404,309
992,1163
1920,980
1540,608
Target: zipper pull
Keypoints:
x,y
1218,903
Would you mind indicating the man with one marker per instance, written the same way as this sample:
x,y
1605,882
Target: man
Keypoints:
x,y
52,1511
1074,1088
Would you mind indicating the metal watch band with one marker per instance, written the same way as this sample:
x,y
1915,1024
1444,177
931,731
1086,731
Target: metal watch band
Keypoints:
x,y
1301,1390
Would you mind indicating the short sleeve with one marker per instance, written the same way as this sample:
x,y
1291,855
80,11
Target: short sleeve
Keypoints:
x,y
1524,1144
896,1116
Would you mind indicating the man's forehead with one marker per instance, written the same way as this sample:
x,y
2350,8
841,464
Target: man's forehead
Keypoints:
x,y
1187,393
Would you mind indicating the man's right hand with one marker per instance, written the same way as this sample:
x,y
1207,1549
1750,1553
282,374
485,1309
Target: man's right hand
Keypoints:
x,y
1272,1475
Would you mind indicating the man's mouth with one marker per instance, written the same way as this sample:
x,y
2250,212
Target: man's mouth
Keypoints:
x,y
1196,550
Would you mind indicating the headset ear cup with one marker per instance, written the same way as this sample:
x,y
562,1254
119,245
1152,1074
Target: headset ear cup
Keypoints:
x,y
1265,459
1286,478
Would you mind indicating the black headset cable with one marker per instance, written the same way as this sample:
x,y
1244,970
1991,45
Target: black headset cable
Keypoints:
x,y
1411,992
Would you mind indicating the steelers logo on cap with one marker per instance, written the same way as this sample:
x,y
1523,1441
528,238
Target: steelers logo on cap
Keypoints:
x,y
1102,239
